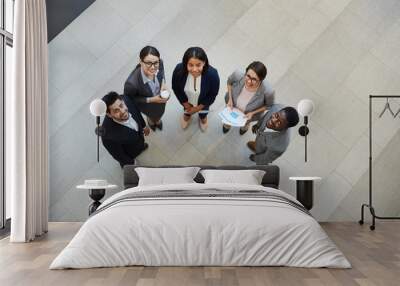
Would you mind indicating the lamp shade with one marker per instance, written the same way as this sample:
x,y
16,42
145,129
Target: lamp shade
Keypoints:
x,y
305,107
98,107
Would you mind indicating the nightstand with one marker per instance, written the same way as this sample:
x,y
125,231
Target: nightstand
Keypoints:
x,y
97,190
304,190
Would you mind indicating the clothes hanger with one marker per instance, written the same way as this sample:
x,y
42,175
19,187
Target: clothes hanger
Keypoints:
x,y
387,106
397,113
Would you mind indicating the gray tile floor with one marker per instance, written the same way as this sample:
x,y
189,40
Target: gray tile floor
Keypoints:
x,y
333,52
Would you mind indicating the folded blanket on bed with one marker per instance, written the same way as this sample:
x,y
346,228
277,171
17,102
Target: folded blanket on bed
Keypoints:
x,y
206,194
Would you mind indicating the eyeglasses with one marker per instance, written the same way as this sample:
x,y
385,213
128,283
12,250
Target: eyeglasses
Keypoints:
x,y
151,64
252,79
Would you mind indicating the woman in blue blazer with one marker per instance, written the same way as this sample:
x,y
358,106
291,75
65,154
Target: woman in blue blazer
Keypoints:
x,y
196,85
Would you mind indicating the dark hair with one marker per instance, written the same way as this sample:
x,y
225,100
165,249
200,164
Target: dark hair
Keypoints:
x,y
149,50
259,68
110,98
292,116
197,53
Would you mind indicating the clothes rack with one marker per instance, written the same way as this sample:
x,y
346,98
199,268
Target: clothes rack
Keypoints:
x,y
370,205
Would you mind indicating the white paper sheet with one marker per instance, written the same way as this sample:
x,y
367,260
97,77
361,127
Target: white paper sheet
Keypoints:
x,y
233,117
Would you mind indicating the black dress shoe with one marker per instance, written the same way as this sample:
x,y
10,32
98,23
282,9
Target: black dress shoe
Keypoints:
x,y
159,125
224,129
243,130
252,157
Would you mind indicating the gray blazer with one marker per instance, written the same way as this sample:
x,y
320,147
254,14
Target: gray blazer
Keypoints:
x,y
137,91
265,94
270,145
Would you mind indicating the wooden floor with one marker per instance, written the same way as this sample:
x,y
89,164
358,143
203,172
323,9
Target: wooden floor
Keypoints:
x,y
375,257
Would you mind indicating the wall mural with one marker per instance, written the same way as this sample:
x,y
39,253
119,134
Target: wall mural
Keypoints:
x,y
223,92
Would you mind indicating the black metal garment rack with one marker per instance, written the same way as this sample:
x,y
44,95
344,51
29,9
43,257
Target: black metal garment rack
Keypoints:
x,y
369,205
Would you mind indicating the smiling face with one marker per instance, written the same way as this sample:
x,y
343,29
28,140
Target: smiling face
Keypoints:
x,y
150,65
278,121
118,111
195,67
252,81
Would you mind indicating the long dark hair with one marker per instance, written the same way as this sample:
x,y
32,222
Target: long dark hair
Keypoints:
x,y
259,68
197,53
148,50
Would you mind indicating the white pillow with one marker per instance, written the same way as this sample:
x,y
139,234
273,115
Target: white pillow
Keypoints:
x,y
248,177
164,176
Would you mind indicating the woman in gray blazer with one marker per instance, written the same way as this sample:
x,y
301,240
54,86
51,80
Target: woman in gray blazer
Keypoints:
x,y
249,92
144,86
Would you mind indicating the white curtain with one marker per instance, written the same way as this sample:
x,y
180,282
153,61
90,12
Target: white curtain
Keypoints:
x,y
27,127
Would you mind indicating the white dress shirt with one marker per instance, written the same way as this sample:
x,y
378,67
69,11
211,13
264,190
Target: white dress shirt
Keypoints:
x,y
130,123
190,91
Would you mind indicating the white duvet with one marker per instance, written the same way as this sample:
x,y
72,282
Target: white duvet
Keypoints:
x,y
200,231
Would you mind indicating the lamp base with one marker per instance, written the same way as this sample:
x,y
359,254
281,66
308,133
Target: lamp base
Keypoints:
x,y
303,130
100,131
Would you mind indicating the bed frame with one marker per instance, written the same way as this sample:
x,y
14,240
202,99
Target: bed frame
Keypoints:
x,y
270,179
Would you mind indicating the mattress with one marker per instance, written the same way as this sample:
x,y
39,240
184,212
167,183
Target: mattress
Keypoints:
x,y
201,225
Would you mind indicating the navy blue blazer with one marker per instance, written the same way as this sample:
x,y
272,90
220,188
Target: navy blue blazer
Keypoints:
x,y
124,143
209,85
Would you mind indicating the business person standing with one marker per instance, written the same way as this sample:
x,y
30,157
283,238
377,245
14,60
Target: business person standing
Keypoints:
x,y
124,129
249,92
196,84
145,84
273,134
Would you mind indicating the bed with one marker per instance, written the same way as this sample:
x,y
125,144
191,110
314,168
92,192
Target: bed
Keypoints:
x,y
201,223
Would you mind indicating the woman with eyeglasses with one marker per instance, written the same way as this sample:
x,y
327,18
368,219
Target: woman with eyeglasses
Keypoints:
x,y
145,85
196,85
249,92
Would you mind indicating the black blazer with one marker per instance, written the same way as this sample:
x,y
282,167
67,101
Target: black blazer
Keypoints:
x,y
124,143
209,85
138,92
